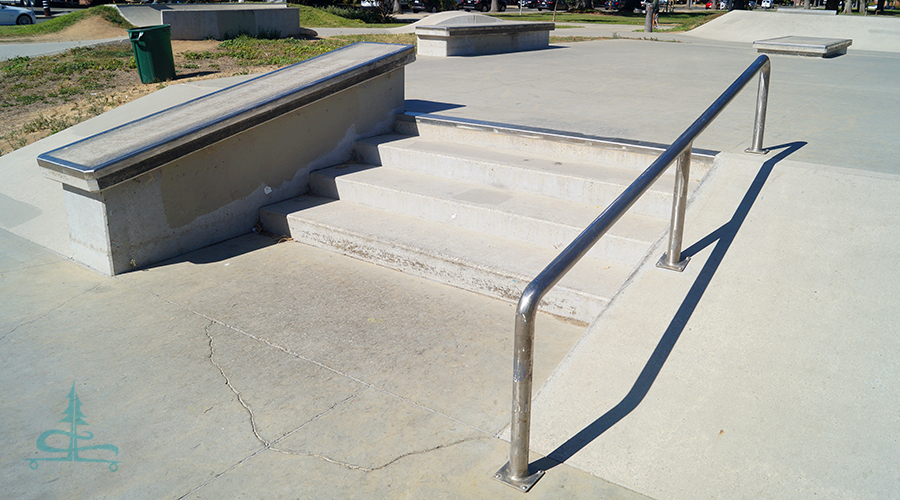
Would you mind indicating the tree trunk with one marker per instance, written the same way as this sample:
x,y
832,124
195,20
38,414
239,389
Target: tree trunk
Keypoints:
x,y
848,6
495,6
879,8
805,4
397,8
583,5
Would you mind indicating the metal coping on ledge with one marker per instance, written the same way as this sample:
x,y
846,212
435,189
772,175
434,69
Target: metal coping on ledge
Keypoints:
x,y
238,120
543,133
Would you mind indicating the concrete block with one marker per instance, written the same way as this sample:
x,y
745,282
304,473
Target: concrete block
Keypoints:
x,y
482,38
197,173
230,23
808,46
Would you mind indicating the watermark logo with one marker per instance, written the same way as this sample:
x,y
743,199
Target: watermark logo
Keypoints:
x,y
74,418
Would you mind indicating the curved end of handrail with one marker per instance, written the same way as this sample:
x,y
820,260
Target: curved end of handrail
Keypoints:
x,y
529,300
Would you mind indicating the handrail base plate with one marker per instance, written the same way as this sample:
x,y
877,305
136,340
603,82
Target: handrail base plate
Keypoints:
x,y
757,151
524,484
677,267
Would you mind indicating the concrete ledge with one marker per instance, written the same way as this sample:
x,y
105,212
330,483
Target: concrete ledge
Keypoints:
x,y
803,46
482,38
229,23
197,173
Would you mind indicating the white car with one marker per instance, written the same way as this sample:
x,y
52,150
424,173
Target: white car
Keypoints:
x,y
766,4
15,15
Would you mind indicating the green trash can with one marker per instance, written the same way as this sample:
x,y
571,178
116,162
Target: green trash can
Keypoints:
x,y
152,47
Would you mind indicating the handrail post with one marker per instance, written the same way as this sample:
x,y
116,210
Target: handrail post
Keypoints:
x,y
515,473
672,258
759,122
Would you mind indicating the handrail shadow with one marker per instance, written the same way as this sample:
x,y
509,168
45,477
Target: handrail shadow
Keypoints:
x,y
723,236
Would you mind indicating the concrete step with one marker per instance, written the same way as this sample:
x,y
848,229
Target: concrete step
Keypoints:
x,y
565,179
476,261
561,146
540,220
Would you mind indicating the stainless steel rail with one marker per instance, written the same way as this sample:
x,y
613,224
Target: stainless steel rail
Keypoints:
x,y
516,473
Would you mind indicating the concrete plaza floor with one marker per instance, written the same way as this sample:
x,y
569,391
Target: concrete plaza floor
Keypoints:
x,y
257,369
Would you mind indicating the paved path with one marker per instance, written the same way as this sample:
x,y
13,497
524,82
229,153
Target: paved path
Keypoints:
x,y
257,369
11,50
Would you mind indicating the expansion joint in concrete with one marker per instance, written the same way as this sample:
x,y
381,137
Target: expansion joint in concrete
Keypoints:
x,y
48,312
270,445
384,465
307,359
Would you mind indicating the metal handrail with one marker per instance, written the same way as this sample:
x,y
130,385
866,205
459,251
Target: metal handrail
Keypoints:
x,y
515,473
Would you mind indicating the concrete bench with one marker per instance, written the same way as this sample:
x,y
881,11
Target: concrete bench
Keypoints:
x,y
807,46
197,173
482,38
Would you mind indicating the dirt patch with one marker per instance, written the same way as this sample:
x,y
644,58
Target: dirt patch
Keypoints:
x,y
92,28
24,124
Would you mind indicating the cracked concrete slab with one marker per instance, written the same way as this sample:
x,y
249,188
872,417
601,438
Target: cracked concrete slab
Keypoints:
x,y
145,386
450,472
372,430
279,391
242,370
343,314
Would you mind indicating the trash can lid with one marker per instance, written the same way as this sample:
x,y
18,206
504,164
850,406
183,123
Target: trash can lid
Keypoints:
x,y
149,28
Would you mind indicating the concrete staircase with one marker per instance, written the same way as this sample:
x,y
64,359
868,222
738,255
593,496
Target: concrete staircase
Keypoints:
x,y
484,207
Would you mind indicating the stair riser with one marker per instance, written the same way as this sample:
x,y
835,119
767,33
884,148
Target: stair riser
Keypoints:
x,y
581,150
656,203
611,247
560,301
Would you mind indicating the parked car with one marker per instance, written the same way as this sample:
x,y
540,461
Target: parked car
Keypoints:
x,y
426,5
549,5
482,5
766,4
624,5
15,15
375,4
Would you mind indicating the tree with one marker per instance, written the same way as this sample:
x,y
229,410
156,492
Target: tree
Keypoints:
x,y
495,6
583,5
397,9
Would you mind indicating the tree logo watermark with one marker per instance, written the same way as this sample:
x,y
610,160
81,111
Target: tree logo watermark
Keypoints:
x,y
74,418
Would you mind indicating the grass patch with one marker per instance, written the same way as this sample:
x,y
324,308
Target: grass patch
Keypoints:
x,y
403,38
60,23
311,17
26,80
250,51
65,89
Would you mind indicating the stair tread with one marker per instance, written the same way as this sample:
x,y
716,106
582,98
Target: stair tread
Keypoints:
x,y
517,259
574,215
608,174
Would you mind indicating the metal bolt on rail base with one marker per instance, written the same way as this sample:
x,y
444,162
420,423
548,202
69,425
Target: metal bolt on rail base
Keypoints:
x,y
522,484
